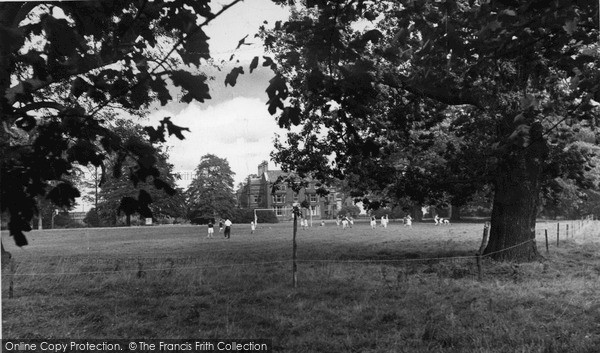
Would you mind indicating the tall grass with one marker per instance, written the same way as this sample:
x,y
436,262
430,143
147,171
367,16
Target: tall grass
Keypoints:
x,y
359,290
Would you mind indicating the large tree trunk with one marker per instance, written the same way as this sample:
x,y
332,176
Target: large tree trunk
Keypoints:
x,y
517,187
417,213
454,213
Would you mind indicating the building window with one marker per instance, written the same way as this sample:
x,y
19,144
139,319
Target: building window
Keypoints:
x,y
279,198
278,210
255,198
313,197
295,197
315,211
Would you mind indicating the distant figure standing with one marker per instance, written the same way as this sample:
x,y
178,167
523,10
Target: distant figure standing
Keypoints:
x,y
385,221
211,229
374,222
228,224
322,223
252,227
220,225
344,222
337,221
408,221
351,220
436,219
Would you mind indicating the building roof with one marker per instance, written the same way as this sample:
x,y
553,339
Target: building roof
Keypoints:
x,y
272,175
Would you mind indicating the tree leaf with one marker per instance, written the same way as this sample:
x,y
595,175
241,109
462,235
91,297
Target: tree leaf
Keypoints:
x,y
254,64
194,85
162,185
63,194
144,197
231,77
195,47
155,134
160,88
128,205
84,152
173,129
289,116
63,39
269,62
277,92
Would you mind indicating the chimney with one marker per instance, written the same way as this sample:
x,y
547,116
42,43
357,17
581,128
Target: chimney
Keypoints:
x,y
263,168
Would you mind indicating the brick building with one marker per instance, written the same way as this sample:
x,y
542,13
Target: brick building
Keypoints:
x,y
257,193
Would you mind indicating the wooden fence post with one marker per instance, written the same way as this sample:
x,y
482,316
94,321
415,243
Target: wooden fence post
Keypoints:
x,y
546,234
11,284
557,234
295,248
480,252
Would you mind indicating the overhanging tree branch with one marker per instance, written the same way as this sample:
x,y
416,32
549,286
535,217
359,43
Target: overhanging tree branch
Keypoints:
x,y
445,95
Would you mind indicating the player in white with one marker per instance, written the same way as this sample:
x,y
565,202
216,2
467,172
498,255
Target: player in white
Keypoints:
x,y
211,229
408,221
344,222
373,222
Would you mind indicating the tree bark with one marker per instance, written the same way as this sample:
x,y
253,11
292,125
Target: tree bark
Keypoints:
x,y
514,211
417,213
455,213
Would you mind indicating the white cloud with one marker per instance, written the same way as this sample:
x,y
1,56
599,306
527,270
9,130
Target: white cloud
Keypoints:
x,y
235,123
240,130
240,20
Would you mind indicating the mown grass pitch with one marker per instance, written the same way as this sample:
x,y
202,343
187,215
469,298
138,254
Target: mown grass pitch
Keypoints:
x,y
394,289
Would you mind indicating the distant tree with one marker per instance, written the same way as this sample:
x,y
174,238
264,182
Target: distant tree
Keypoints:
x,y
91,218
62,63
117,195
591,204
350,211
210,194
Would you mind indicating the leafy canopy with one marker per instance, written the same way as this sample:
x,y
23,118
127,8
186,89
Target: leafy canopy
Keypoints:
x,y
62,63
429,98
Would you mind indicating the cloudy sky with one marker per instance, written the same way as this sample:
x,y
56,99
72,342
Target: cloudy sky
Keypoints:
x,y
235,123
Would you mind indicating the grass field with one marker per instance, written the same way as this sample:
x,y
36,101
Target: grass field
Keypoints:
x,y
359,290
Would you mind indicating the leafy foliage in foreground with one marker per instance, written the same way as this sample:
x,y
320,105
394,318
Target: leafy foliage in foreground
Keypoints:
x,y
61,63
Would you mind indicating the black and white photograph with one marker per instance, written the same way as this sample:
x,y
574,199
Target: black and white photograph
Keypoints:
x,y
300,176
